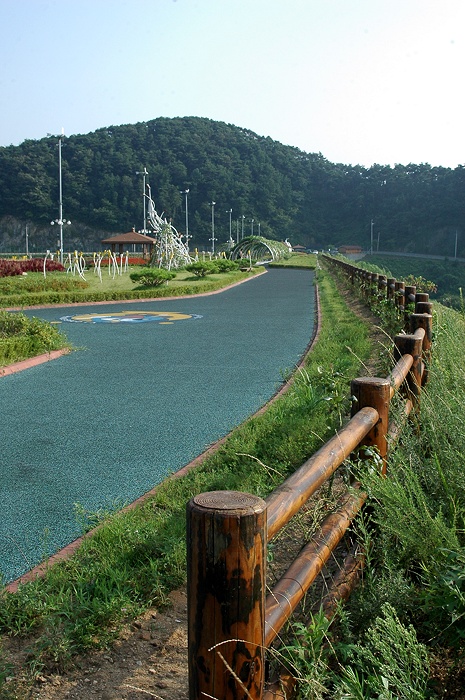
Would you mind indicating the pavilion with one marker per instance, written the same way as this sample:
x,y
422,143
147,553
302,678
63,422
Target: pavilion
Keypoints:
x,y
123,241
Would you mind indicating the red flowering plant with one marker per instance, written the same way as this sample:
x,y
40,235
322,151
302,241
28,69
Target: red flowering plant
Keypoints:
x,y
11,268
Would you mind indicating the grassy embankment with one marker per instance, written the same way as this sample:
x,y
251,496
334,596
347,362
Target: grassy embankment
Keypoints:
x,y
136,557
401,635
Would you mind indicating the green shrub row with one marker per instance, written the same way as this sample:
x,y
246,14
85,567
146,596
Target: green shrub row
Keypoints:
x,y
22,337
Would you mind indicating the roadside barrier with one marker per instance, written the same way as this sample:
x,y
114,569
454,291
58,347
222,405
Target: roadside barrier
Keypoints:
x,y
231,620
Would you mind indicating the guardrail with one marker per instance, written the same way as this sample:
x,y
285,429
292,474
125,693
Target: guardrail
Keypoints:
x,y
231,622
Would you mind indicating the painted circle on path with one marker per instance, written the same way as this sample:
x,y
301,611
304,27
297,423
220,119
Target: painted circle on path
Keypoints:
x,y
162,317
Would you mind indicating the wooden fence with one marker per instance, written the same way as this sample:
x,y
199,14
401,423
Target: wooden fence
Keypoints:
x,y
231,622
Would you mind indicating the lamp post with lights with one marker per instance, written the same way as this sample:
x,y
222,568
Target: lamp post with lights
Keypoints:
x,y
144,174
185,193
213,239
229,211
60,221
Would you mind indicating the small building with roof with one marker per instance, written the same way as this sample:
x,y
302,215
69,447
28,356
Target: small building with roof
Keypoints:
x,y
130,241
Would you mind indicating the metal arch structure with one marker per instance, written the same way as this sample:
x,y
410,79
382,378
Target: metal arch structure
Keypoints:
x,y
258,248
169,251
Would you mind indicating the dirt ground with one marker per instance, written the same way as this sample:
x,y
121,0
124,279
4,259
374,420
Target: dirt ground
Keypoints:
x,y
149,660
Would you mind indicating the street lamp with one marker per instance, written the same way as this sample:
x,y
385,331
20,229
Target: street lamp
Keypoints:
x,y
60,221
186,192
251,226
144,174
213,239
242,231
229,211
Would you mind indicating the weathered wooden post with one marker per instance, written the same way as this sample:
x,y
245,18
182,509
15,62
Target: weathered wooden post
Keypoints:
x,y
382,286
421,296
424,321
400,295
411,345
374,392
374,285
424,307
410,292
226,558
391,286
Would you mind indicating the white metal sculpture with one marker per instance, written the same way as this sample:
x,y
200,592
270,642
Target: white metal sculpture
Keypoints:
x,y
76,264
114,267
170,251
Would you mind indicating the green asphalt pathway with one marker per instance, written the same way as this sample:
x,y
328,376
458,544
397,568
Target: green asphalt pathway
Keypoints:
x,y
148,390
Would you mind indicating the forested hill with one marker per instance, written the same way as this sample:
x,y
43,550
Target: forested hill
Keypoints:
x,y
287,192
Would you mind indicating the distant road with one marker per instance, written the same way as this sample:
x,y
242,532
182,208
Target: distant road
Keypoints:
x,y
391,253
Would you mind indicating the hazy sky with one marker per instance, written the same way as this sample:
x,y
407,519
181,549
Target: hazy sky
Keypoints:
x,y
360,81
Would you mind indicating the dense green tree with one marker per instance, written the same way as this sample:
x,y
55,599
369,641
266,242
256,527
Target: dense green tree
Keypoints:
x,y
292,194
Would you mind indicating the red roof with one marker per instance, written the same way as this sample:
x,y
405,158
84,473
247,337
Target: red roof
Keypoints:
x,y
131,237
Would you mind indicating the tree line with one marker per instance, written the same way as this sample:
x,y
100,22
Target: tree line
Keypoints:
x,y
276,190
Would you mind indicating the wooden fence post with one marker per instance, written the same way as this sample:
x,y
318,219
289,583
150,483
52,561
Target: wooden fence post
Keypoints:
x,y
382,286
374,392
391,286
410,292
400,295
226,557
411,345
424,321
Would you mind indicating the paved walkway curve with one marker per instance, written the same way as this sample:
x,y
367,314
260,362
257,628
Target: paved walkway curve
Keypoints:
x,y
154,384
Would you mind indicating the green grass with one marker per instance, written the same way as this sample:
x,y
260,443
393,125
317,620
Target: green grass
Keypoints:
x,y
34,290
137,557
300,260
22,337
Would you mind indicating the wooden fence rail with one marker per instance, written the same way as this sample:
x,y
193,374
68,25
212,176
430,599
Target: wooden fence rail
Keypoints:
x,y
231,620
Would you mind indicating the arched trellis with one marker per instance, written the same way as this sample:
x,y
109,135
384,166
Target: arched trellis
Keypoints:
x,y
259,248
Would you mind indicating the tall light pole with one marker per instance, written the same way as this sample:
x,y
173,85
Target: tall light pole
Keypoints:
x,y
229,211
185,193
213,239
60,220
371,238
251,226
144,174
242,231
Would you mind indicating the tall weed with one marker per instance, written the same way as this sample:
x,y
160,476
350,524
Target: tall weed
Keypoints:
x,y
390,664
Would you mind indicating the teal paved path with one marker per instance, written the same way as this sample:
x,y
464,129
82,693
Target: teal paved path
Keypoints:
x,y
139,400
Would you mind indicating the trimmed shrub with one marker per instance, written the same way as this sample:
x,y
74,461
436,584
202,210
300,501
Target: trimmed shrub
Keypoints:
x,y
152,277
202,269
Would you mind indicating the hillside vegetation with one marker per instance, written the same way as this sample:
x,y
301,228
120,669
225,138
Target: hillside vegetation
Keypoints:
x,y
288,193
448,275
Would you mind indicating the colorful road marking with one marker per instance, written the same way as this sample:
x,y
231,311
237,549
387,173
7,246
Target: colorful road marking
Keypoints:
x,y
161,317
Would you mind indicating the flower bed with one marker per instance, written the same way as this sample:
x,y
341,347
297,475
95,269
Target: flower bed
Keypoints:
x,y
11,268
